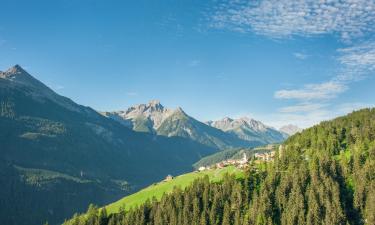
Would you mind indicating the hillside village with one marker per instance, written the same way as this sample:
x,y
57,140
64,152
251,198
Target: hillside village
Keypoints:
x,y
243,162
267,154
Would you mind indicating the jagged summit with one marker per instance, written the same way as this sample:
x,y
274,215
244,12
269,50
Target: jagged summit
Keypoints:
x,y
19,79
16,69
228,123
154,102
13,69
290,129
154,118
180,111
144,117
248,129
152,106
13,72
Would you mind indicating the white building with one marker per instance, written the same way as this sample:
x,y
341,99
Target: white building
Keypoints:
x,y
244,160
202,168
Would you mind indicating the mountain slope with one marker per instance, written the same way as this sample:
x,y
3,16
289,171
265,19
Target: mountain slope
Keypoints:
x,y
154,118
65,155
290,129
143,117
249,130
322,175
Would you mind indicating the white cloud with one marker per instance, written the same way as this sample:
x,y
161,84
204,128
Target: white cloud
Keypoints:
x,y
347,19
301,56
357,61
317,114
325,90
301,119
350,21
352,106
303,107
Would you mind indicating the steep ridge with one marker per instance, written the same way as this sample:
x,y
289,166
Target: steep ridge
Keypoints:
x,y
249,130
156,119
290,129
65,156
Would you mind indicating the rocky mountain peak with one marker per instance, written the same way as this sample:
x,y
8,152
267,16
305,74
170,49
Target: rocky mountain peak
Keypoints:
x,y
155,105
16,69
227,120
149,108
290,129
153,112
18,78
154,102
13,72
180,110
227,123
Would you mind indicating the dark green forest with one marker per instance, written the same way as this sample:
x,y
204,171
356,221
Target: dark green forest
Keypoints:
x,y
56,156
324,175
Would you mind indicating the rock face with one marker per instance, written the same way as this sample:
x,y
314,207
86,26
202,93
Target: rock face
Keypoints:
x,y
227,124
21,80
248,129
156,119
142,117
226,133
290,129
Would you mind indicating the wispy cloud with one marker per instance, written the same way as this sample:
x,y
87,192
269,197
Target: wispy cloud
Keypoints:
x,y
300,55
347,19
303,107
306,118
350,21
357,61
352,106
325,90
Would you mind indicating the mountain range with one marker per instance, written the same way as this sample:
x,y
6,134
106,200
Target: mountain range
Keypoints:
x,y
249,129
322,175
290,129
154,118
64,155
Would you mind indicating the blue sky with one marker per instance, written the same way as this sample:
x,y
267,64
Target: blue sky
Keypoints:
x,y
279,61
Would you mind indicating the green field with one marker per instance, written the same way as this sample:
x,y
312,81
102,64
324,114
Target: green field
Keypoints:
x,y
157,190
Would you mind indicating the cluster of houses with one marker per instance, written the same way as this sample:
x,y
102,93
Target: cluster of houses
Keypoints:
x,y
267,156
241,163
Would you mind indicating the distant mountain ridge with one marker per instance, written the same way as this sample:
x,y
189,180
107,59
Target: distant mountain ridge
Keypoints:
x,y
290,129
63,156
227,133
154,118
142,117
249,129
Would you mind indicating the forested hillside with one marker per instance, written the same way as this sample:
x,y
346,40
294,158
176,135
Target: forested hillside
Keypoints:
x,y
57,157
324,175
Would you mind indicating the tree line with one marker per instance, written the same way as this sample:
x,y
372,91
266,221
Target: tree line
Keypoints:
x,y
323,175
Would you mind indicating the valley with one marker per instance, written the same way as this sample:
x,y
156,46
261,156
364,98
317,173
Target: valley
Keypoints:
x,y
312,180
68,155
